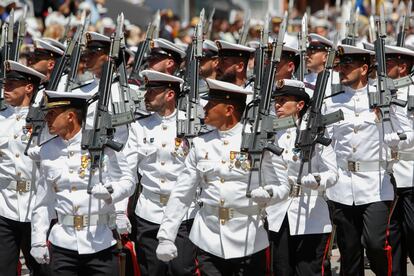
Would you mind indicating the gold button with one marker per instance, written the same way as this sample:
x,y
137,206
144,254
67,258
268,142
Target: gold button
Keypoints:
x,y
354,149
357,99
222,180
70,171
73,189
223,161
162,180
162,163
225,142
18,118
17,155
221,202
164,127
19,174
356,114
71,153
163,145
288,136
286,151
355,130
15,136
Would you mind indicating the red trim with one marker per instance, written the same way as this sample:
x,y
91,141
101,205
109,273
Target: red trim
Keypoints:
x,y
388,250
268,261
128,245
197,271
19,268
325,253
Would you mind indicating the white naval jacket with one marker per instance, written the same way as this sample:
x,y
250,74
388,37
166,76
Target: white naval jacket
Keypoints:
x,y
211,166
307,213
15,166
404,168
359,137
153,150
62,189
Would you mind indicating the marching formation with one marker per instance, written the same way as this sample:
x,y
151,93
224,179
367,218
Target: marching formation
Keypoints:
x,y
210,158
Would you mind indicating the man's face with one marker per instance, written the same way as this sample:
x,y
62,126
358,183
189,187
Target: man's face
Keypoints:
x,y
155,99
350,73
207,67
215,113
39,61
284,69
94,60
15,91
287,106
57,120
393,68
315,59
226,69
159,63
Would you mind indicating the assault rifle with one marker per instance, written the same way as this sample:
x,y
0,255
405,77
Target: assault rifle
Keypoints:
x,y
6,45
313,123
261,137
21,33
303,39
352,27
405,26
385,94
76,46
208,25
144,47
189,98
259,61
245,29
95,140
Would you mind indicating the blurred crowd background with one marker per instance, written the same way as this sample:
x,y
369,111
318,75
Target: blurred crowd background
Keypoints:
x,y
58,18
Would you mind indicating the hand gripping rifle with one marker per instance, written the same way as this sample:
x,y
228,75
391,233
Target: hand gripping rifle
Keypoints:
x,y
385,94
352,27
264,125
36,116
144,47
189,98
95,140
313,123
303,39
405,26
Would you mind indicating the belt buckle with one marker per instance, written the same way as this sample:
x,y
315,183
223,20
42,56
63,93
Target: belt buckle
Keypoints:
x,y
22,186
352,166
164,199
225,214
78,222
395,155
295,190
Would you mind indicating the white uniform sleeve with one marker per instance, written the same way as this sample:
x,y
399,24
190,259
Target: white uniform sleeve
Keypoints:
x,y
124,184
43,211
274,173
402,124
131,151
180,199
328,169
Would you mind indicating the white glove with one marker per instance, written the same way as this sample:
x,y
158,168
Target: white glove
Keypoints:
x,y
309,181
260,196
40,253
392,139
166,250
100,191
123,225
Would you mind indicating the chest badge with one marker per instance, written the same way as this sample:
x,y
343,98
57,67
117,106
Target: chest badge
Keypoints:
x,y
85,160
